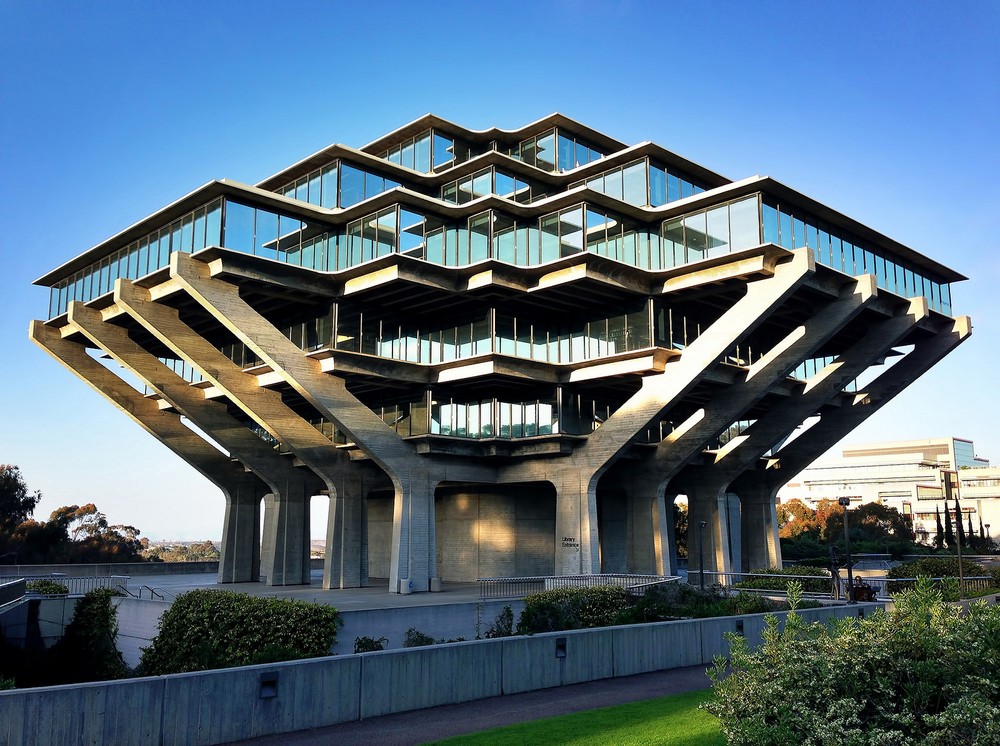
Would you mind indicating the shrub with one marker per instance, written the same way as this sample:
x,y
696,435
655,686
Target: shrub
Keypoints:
x,y
683,601
369,644
47,588
6,683
503,626
931,567
416,639
572,608
925,673
822,584
206,629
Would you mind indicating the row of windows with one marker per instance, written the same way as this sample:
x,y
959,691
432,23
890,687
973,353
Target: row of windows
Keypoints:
x,y
710,232
482,183
337,184
427,152
643,184
192,232
794,230
554,151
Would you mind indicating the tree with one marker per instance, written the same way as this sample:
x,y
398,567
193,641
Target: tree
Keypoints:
x,y
958,525
17,504
796,518
681,528
949,535
939,536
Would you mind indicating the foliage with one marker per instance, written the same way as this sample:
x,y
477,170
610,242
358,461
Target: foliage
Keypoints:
x,y
668,601
199,551
820,585
6,683
47,588
88,649
931,567
680,511
572,608
924,673
369,644
673,721
503,626
416,639
206,629
16,503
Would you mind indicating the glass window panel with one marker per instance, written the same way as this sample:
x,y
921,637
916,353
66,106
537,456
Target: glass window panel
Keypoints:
x,y
187,233
545,156
175,237
422,153
443,150
673,239
328,187
571,231
634,178
406,157
239,227
315,189
213,224
567,154
411,233
199,230
717,231
266,239
744,224
613,184
482,183
503,239
911,286
657,186
386,239
449,192
798,233
549,226
880,270
301,190
687,188
673,188
352,185
770,221
143,258
479,237
505,184
695,236
946,299
583,155
522,192
786,229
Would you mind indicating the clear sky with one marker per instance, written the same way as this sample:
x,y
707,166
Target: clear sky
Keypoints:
x,y
110,110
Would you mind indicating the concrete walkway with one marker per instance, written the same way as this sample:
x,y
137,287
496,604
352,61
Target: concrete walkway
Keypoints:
x,y
435,723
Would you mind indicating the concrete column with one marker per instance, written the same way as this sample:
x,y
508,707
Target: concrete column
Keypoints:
x,y
267,535
577,546
287,538
712,507
651,544
345,565
761,546
239,560
413,560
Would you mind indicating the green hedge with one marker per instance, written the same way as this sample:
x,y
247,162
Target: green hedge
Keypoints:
x,y
572,608
933,567
822,584
207,629
47,588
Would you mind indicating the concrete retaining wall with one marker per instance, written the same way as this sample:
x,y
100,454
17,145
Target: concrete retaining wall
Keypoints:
x,y
121,568
234,704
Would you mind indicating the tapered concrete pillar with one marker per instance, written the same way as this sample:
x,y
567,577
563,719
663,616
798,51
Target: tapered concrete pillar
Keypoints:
x,y
345,565
651,545
287,532
577,543
413,560
761,545
713,509
267,534
239,560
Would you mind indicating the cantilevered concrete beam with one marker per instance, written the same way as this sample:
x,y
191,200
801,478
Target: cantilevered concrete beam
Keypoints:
x,y
211,417
576,481
291,548
241,546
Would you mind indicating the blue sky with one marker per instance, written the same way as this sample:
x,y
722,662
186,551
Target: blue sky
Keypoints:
x,y
885,111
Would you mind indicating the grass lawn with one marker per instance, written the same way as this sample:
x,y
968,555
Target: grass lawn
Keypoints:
x,y
668,720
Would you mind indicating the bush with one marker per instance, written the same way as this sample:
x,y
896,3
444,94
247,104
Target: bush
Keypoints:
x,y
925,673
6,683
668,601
822,584
416,639
932,567
369,644
503,626
207,629
47,588
572,608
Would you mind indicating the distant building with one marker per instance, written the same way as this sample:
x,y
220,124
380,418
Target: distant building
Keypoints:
x,y
917,477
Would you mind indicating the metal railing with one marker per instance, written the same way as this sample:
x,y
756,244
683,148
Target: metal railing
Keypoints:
x,y
879,584
76,585
520,587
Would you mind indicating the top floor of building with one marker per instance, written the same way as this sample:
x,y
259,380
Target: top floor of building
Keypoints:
x,y
438,192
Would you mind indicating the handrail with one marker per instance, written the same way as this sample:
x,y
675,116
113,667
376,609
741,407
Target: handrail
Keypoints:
x,y
76,585
519,587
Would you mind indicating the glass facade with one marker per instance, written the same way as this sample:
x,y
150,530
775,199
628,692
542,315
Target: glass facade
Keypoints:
x,y
643,183
337,184
482,183
427,152
554,150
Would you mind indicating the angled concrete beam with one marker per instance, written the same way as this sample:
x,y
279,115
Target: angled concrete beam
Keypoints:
x,y
240,547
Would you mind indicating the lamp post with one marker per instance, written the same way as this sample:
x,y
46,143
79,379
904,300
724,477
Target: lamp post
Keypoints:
x,y
701,552
845,502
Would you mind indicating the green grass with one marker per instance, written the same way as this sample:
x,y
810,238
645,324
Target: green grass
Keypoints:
x,y
668,720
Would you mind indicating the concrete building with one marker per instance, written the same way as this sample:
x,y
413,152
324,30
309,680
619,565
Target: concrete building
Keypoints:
x,y
497,352
916,477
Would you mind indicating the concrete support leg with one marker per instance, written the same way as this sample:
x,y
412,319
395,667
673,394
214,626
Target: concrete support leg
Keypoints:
x,y
239,560
287,532
615,531
761,547
345,565
577,541
710,543
651,548
413,561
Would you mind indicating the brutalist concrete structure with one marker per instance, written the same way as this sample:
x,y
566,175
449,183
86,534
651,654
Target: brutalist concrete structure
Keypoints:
x,y
498,352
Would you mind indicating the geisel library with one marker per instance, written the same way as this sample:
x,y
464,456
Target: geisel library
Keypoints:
x,y
499,353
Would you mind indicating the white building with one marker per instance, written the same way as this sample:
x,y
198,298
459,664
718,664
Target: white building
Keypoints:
x,y
915,477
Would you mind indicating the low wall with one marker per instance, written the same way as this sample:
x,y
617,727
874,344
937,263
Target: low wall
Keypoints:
x,y
235,704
